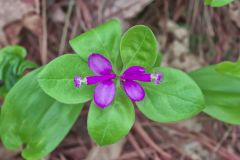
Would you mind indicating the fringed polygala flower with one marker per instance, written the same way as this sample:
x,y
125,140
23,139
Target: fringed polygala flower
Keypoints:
x,y
106,88
137,73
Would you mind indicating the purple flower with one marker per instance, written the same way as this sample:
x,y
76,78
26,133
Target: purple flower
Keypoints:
x,y
106,88
132,88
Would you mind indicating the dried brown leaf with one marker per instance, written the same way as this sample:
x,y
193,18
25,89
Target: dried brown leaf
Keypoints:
x,y
11,10
127,9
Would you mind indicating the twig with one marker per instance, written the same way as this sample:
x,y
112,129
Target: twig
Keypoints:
x,y
150,142
44,36
79,16
209,30
223,139
65,28
206,142
133,154
86,14
179,10
37,6
74,29
62,157
81,143
101,10
136,146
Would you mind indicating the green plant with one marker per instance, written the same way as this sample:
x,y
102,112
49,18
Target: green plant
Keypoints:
x,y
217,3
220,84
42,107
12,67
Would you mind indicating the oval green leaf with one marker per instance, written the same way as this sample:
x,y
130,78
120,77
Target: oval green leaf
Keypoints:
x,y
104,39
176,98
32,120
14,50
221,87
24,66
107,126
217,3
12,66
229,68
139,47
56,79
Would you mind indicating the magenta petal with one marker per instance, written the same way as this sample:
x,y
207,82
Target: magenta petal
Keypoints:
x,y
95,79
139,77
104,93
134,90
134,70
99,64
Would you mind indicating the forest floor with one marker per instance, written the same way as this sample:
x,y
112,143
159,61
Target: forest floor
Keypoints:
x,y
190,35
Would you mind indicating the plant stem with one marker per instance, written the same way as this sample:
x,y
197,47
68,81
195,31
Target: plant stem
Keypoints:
x,y
65,28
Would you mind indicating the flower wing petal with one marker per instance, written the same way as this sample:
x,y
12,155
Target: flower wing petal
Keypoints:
x,y
104,93
134,70
134,90
99,64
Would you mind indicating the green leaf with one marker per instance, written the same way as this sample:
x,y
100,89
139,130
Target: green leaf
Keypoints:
x,y
139,47
158,60
221,88
104,39
217,3
3,91
207,2
229,68
9,63
34,121
108,125
56,79
14,50
13,65
24,65
176,98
